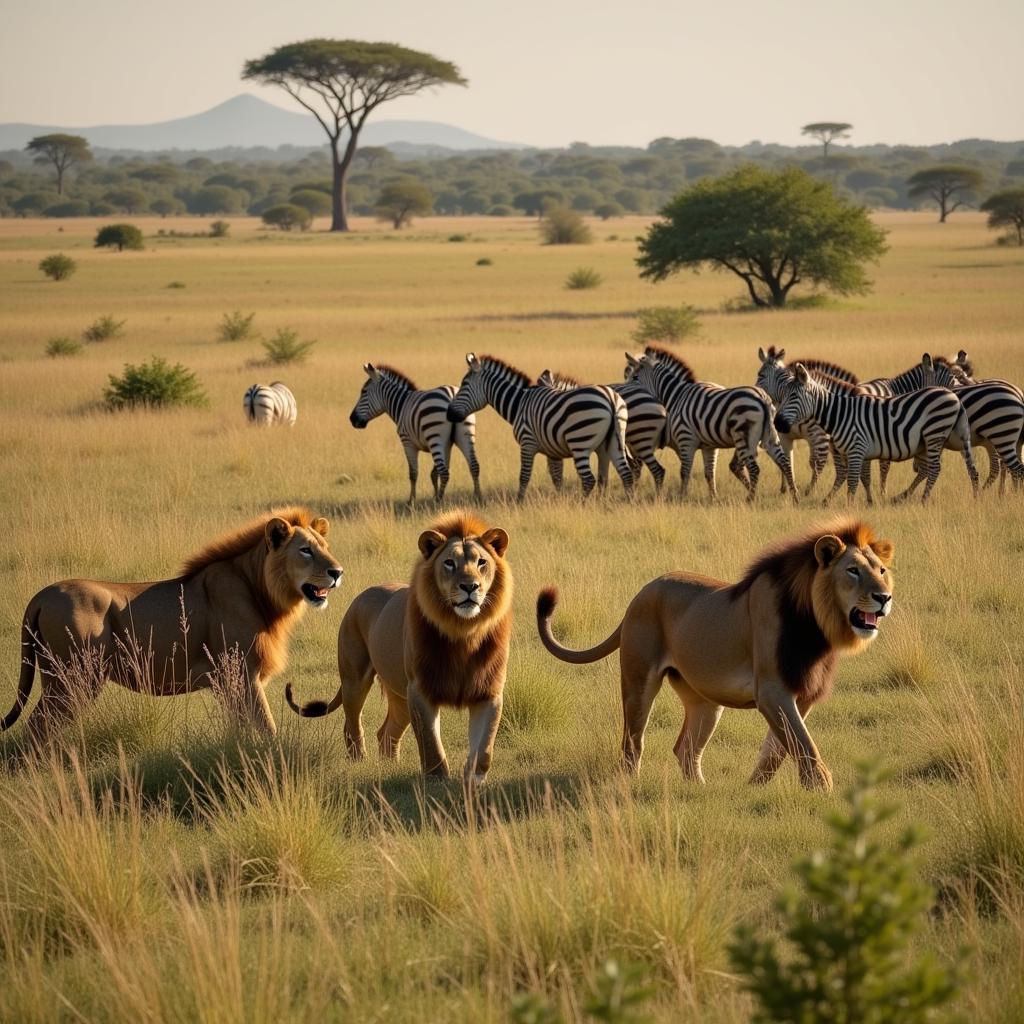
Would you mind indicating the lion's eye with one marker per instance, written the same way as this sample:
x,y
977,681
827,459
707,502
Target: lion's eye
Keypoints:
x,y
307,551
449,564
853,572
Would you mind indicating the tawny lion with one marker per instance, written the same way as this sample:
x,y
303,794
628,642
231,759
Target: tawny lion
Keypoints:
x,y
244,591
770,641
440,641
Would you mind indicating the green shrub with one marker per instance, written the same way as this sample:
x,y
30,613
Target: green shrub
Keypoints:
x,y
583,277
849,931
176,284
618,995
220,228
608,210
457,238
235,326
285,347
153,385
287,216
124,236
63,346
58,267
103,328
485,261
562,226
665,323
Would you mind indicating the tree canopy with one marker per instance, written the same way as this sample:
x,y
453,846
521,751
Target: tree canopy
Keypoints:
x,y
1005,209
341,82
826,132
949,185
400,200
63,151
124,236
773,229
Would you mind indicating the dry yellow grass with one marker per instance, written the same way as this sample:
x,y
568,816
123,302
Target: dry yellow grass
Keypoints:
x,y
399,906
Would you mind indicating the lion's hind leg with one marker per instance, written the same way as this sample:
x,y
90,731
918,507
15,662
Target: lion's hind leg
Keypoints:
x,y
640,685
698,727
57,707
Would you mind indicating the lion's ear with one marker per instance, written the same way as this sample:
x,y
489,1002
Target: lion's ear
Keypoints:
x,y
277,532
496,540
431,541
321,526
885,549
827,549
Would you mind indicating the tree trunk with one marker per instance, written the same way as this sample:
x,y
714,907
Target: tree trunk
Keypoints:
x,y
339,214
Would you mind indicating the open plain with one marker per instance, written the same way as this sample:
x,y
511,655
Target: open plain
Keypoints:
x,y
165,870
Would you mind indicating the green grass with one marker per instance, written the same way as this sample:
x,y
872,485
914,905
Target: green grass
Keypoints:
x,y
188,876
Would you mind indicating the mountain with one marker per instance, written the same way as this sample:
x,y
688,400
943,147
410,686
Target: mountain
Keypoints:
x,y
247,120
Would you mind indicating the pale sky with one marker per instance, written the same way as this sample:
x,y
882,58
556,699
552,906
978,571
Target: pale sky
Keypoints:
x,y
551,72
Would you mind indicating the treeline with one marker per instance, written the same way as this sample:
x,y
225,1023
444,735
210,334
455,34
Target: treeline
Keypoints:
x,y
606,181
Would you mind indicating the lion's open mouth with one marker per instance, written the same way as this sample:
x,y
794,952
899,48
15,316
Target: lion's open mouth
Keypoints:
x,y
866,621
315,595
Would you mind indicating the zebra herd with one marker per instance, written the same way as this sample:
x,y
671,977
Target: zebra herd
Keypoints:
x,y
935,405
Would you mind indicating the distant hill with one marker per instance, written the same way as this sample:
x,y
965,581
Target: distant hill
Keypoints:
x,y
247,121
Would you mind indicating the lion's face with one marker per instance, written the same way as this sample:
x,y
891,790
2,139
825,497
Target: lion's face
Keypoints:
x,y
860,582
299,564
464,569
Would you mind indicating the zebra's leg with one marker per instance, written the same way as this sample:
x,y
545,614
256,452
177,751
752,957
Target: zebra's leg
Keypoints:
x,y
556,472
412,456
933,454
854,468
839,461
527,453
884,465
786,444
581,460
783,459
865,479
440,452
819,443
709,456
687,449
920,475
995,468
618,452
603,459
656,468
738,469
466,443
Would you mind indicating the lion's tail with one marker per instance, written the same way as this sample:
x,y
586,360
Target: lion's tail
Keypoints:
x,y
29,628
546,601
315,708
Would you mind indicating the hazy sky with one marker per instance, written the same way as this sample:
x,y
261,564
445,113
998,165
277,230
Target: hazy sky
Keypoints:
x,y
550,72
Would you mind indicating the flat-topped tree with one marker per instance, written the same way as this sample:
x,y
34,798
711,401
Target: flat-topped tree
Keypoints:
x,y
950,185
63,151
341,82
826,132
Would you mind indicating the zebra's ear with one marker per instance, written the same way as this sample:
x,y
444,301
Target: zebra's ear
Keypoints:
x,y
545,376
802,375
762,355
926,361
371,371
470,358
631,360
961,357
781,354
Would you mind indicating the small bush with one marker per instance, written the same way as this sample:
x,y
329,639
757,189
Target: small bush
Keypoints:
x,y
235,326
665,323
562,226
176,284
287,216
457,238
583,277
58,267
285,347
153,385
124,236
63,346
220,228
485,261
103,328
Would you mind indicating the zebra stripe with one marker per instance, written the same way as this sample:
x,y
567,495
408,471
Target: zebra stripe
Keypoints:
x,y
421,418
558,423
269,404
708,417
864,427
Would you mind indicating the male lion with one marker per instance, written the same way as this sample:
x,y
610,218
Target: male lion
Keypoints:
x,y
769,642
441,640
244,591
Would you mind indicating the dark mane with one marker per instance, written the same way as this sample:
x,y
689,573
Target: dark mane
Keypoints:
x,y
662,355
245,538
397,375
501,364
835,383
563,379
966,367
830,369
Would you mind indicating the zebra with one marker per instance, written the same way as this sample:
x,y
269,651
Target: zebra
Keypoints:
x,y
995,409
557,423
708,417
646,430
772,376
864,427
422,422
265,404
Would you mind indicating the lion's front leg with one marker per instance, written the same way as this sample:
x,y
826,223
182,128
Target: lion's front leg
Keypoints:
x,y
773,753
779,707
483,727
426,726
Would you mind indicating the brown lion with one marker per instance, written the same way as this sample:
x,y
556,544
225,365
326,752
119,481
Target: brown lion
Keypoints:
x,y
439,641
770,641
241,593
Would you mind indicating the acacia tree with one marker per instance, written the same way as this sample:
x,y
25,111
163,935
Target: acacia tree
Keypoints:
x,y
949,185
826,132
1005,209
341,82
773,229
399,200
63,151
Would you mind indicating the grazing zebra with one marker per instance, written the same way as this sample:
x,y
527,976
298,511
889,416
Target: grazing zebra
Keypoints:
x,y
772,376
557,423
864,427
708,417
267,404
422,421
995,409
645,428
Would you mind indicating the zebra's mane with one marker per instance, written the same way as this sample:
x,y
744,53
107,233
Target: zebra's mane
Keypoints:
x,y
966,367
523,379
662,355
826,379
830,369
562,380
396,375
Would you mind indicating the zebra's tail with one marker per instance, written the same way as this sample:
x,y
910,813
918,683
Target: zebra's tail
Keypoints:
x,y
250,404
547,599
616,439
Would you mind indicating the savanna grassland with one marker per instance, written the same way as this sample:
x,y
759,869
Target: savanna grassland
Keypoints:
x,y
162,869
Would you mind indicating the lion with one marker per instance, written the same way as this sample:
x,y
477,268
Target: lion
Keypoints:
x,y
769,641
242,593
441,640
